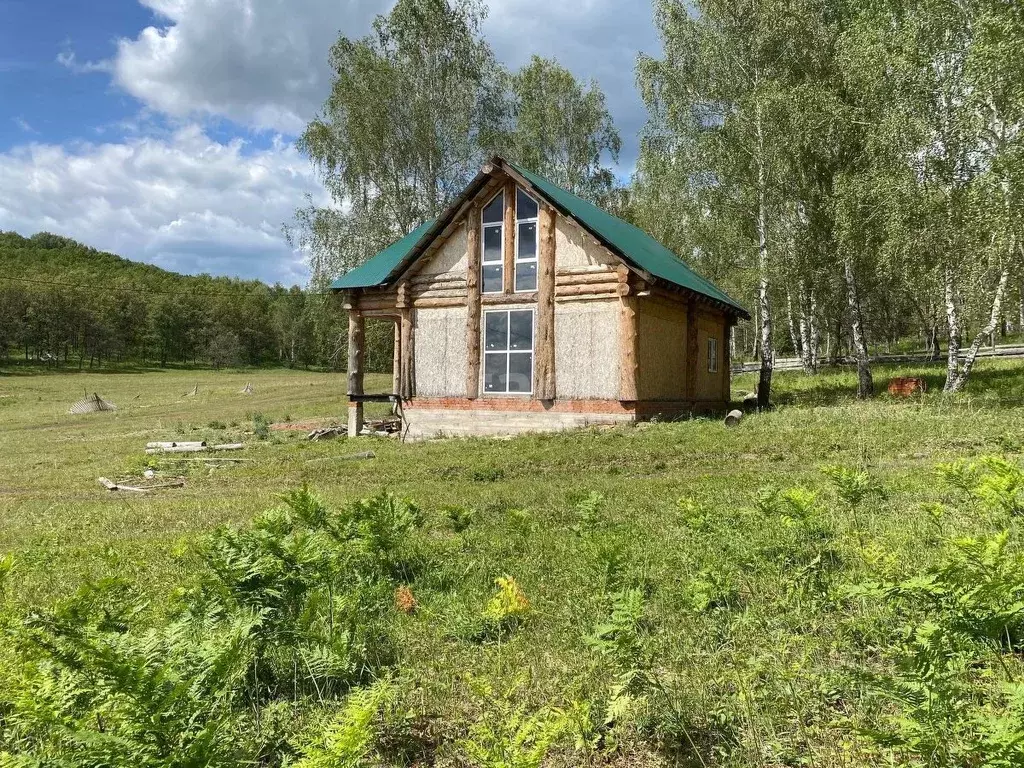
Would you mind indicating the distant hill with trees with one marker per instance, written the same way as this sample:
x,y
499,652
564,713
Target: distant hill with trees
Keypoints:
x,y
65,304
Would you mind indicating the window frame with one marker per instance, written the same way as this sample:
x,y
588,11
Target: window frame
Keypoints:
x,y
535,220
712,354
507,311
500,226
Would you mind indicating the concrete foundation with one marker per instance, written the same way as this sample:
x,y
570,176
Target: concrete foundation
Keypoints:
x,y
428,423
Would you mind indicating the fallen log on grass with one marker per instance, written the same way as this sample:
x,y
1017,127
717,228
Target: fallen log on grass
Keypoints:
x,y
176,444
734,418
153,448
112,486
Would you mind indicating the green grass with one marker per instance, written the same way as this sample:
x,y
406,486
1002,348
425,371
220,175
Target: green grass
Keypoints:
x,y
747,629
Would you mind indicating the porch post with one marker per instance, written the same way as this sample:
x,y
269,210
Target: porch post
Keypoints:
x,y
356,343
396,360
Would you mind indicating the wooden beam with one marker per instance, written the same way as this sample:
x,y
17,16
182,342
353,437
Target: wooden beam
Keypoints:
x,y
587,278
407,389
544,344
439,303
473,304
628,365
501,299
607,288
356,355
692,351
510,237
396,358
356,344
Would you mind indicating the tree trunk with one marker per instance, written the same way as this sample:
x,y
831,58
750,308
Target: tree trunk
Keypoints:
x,y
808,330
963,371
794,339
764,384
954,329
865,384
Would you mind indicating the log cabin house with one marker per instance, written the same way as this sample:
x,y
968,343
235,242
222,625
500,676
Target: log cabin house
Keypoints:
x,y
526,308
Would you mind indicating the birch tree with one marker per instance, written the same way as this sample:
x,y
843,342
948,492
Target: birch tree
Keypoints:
x,y
716,101
402,130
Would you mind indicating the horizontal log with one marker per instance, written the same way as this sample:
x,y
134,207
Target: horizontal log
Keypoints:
x,y
229,447
586,278
436,278
586,297
456,294
596,289
500,299
438,303
178,449
589,269
175,444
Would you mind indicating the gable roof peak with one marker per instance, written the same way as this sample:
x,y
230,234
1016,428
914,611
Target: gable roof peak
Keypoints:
x,y
626,241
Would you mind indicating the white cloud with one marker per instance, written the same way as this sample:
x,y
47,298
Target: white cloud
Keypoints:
x,y
263,63
259,63
185,202
69,60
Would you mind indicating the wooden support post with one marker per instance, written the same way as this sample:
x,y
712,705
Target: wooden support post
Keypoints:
x,y
628,341
544,346
473,304
356,354
692,351
407,390
510,237
396,359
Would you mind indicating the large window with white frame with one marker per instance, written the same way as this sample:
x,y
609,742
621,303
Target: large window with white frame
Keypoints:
x,y
492,267
526,242
508,351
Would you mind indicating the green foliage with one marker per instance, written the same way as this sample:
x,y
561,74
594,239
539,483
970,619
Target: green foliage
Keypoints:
x,y
349,737
507,735
260,426
460,518
82,307
294,607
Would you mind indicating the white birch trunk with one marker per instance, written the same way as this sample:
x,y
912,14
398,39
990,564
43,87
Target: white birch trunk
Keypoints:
x,y
964,370
953,328
794,339
865,384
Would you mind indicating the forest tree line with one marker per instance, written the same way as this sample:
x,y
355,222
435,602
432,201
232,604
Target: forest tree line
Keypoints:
x,y
852,172
65,305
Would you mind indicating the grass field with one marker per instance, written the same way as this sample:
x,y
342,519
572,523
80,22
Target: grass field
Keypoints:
x,y
673,560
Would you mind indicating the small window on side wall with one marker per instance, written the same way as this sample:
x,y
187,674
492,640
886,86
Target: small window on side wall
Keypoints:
x,y
492,265
712,355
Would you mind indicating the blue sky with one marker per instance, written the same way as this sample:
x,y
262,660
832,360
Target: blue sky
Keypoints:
x,y
163,130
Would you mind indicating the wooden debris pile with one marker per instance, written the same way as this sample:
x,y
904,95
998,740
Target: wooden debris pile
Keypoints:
x,y
383,427
327,433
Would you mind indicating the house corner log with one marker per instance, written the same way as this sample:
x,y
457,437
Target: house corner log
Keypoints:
x,y
356,356
628,339
544,371
407,385
473,304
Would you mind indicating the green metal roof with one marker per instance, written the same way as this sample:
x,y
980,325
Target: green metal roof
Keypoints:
x,y
629,242
377,270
